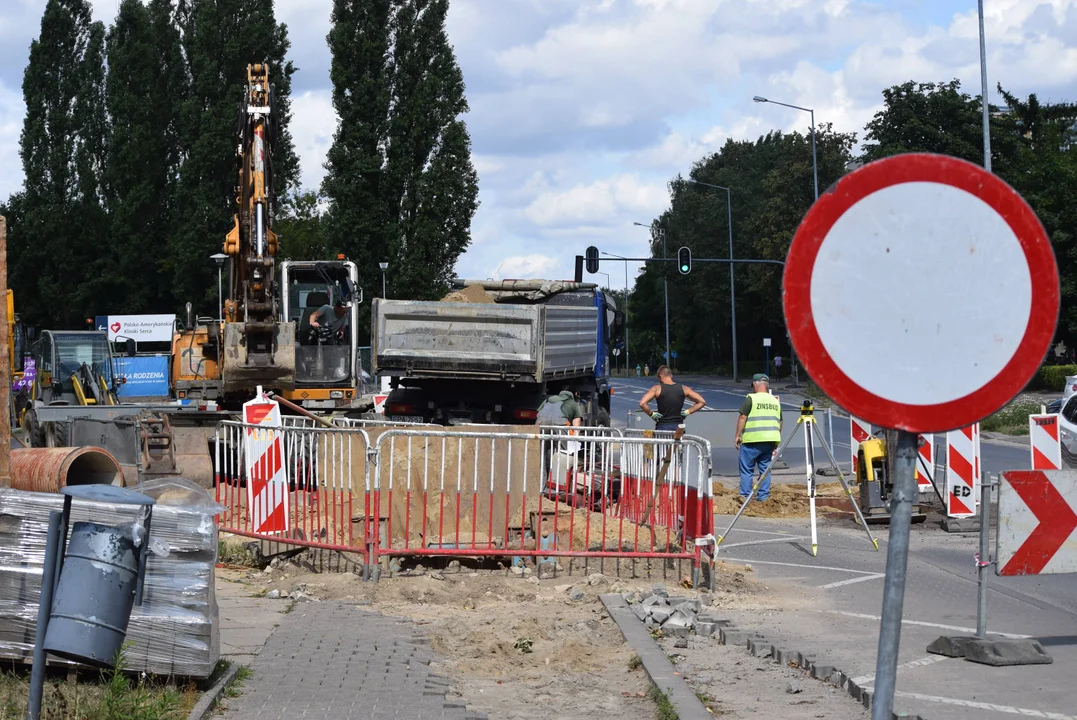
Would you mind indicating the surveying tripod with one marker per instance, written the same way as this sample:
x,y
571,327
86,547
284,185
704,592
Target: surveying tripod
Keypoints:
x,y
806,422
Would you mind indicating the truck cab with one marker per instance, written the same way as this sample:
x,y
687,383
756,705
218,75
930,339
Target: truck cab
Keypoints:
x,y
327,368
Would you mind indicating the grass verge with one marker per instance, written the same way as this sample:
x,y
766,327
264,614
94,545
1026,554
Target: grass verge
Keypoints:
x,y
1012,419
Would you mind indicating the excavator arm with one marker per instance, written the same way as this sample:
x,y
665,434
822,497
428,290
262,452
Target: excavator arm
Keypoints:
x,y
258,349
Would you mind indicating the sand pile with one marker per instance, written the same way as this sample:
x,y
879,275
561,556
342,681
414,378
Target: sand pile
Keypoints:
x,y
784,500
470,294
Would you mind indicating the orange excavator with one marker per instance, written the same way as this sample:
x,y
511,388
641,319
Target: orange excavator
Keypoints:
x,y
251,346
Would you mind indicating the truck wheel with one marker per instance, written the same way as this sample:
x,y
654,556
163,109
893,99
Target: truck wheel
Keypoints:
x,y
602,417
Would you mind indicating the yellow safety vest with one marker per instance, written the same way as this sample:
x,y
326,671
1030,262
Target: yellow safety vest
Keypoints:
x,y
764,420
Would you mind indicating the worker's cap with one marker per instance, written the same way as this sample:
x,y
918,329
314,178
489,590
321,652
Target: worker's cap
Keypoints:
x,y
760,377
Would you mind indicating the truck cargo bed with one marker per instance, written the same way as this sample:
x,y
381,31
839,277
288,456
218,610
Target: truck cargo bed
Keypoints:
x,y
530,343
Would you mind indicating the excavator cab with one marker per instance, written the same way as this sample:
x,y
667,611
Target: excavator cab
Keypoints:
x,y
326,357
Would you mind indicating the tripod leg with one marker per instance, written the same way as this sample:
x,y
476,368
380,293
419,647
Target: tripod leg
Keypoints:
x,y
755,489
809,458
849,492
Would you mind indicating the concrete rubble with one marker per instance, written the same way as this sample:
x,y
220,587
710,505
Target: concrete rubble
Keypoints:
x,y
675,615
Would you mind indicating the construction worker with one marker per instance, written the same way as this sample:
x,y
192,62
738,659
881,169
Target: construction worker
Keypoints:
x,y
334,317
669,396
559,456
759,430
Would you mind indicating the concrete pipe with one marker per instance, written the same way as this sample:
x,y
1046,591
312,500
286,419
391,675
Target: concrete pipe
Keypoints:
x,y
49,469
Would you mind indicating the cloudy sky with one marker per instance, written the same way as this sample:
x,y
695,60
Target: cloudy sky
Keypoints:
x,y
582,110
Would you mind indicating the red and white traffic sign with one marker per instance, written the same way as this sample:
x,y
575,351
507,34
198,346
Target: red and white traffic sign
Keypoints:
x,y
267,483
925,465
1037,520
962,471
859,431
921,251
1045,442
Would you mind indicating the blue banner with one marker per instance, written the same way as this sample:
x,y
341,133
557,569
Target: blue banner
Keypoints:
x,y
147,377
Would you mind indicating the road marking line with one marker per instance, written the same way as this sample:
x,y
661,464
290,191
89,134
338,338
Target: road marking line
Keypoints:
x,y
840,583
1027,712
929,660
956,628
768,540
802,565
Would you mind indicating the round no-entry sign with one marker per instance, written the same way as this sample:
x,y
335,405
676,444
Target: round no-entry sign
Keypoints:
x,y
921,293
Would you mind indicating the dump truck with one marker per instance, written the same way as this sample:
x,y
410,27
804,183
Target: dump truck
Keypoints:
x,y
495,360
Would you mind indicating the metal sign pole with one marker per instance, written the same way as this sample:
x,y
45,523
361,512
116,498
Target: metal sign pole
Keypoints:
x,y
897,560
983,558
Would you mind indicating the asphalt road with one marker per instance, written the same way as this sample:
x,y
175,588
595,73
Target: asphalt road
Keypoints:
x,y
722,395
833,601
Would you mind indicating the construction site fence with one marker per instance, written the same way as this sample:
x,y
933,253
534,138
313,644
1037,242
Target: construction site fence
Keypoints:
x,y
520,496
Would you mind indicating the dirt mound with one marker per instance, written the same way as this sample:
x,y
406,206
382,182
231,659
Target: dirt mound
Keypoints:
x,y
470,294
784,501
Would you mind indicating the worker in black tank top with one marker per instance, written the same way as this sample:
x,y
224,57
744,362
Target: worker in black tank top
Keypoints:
x,y
670,397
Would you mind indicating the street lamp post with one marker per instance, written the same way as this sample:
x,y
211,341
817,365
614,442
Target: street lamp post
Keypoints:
x,y
384,266
983,90
628,363
732,291
665,281
815,177
219,258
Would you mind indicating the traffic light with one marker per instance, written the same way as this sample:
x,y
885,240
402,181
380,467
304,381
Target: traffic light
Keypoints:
x,y
592,259
684,260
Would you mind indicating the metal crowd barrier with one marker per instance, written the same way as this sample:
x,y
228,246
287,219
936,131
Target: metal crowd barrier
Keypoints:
x,y
424,491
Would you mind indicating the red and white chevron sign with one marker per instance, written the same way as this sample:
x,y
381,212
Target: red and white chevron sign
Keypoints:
x,y
859,431
926,463
267,483
1045,442
962,471
1037,522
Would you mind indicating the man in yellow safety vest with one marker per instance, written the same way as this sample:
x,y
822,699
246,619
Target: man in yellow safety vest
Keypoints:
x,y
759,430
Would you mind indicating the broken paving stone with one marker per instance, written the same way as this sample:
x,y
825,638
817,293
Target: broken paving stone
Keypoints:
x,y
639,612
688,608
299,596
655,601
660,590
793,688
596,579
575,595
660,614
681,643
706,599
273,594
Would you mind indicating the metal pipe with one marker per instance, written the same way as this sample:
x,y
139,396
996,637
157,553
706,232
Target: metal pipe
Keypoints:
x,y
44,609
897,559
301,410
259,230
983,89
49,469
983,560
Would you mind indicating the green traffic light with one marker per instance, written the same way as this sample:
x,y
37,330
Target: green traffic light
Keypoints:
x,y
684,268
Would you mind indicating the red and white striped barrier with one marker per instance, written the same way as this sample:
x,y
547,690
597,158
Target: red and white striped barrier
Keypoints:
x,y
1045,442
267,484
962,470
379,403
926,464
859,431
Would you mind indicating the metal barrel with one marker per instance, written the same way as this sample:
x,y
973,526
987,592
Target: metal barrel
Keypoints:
x,y
49,469
95,595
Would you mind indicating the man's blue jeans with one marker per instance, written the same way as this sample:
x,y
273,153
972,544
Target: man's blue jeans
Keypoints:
x,y
752,455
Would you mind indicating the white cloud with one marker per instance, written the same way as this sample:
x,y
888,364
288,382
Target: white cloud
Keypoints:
x,y
598,202
313,125
525,266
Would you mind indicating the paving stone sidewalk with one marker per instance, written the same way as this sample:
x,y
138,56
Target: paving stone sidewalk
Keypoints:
x,y
339,661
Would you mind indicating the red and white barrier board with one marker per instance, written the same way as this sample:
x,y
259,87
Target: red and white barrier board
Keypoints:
x,y
859,431
267,484
962,471
1037,522
379,403
926,463
1045,442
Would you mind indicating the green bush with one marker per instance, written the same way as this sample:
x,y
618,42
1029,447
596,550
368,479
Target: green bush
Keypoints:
x,y
1053,377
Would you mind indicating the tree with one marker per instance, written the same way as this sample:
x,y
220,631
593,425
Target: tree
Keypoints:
x,y
219,39
61,227
300,228
771,182
401,185
143,159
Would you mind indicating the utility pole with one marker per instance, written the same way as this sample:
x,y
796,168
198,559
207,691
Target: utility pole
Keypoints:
x,y
5,366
